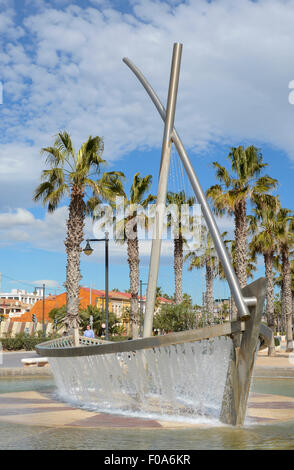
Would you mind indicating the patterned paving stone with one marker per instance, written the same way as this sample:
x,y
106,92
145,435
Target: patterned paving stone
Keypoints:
x,y
256,419
34,408
116,421
16,400
23,411
273,405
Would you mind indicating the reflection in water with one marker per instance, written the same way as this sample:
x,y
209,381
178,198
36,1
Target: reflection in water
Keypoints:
x,y
12,384
256,437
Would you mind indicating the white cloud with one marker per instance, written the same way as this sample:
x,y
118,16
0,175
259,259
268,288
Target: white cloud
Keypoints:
x,y
49,233
21,226
20,217
62,68
49,283
19,162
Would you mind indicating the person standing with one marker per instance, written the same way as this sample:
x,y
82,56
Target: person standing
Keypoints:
x,y
89,333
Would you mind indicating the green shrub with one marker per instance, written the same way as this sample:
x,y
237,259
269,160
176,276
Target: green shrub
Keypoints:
x,y
119,338
23,341
178,317
277,342
114,327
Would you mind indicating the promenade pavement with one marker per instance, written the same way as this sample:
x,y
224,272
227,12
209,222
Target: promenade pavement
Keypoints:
x,y
13,358
11,365
280,365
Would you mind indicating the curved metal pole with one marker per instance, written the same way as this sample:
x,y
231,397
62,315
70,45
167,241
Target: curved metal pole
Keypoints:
x,y
243,311
162,189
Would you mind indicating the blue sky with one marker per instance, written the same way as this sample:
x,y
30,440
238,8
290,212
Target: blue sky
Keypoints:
x,y
61,68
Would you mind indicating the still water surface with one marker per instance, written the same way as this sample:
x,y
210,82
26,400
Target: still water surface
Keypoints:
x,y
266,436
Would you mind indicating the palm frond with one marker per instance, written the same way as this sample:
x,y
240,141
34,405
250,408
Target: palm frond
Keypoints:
x,y
246,163
91,205
51,195
222,201
64,145
139,187
265,184
55,175
222,174
43,190
90,154
54,156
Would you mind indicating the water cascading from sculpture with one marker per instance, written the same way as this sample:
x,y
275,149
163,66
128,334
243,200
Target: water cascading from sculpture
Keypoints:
x,y
181,381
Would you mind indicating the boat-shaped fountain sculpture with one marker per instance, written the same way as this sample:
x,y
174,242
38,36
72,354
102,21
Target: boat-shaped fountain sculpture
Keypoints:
x,y
206,371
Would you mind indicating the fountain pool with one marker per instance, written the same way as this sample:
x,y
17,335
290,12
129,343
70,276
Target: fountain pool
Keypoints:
x,y
249,436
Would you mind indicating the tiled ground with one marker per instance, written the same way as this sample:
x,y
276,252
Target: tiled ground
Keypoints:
x,y
271,407
34,408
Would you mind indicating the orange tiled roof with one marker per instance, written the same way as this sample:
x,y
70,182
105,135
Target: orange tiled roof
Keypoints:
x,y
121,295
164,300
58,301
112,294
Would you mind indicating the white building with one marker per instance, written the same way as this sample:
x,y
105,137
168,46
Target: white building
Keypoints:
x,y
13,308
23,296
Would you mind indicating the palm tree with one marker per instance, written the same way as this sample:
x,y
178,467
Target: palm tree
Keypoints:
x,y
127,232
179,199
279,282
232,194
70,174
292,287
58,314
285,238
263,226
158,295
251,260
206,257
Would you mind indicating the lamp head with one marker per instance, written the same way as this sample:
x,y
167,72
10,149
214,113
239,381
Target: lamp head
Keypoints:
x,y
88,250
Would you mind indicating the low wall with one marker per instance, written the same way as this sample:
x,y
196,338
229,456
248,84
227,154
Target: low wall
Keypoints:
x,y
12,328
31,371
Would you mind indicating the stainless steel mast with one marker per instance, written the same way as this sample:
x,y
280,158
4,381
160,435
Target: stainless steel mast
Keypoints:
x,y
240,301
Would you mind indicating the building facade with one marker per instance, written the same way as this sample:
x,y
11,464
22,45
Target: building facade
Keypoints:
x,y
23,296
12,308
119,304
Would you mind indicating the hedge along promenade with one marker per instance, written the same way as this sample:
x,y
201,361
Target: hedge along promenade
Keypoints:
x,y
23,341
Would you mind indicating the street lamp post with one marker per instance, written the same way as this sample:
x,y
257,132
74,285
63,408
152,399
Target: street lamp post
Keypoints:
x,y
43,309
141,305
88,251
103,325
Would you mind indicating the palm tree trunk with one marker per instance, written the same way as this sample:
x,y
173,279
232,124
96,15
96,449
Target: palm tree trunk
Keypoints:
x,y
133,260
270,314
209,287
75,235
287,299
282,319
178,269
292,307
241,242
